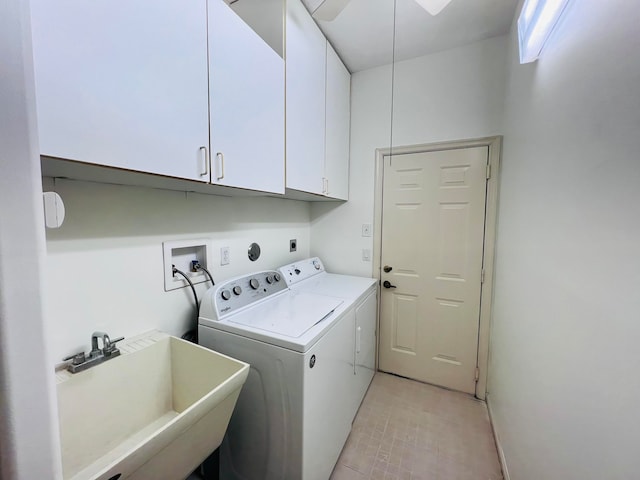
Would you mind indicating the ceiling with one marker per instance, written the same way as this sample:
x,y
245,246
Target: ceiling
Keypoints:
x,y
363,33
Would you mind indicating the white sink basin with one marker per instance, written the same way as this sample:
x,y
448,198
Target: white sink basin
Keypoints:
x,y
155,412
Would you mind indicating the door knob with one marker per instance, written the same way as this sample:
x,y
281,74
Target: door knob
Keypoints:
x,y
387,268
387,284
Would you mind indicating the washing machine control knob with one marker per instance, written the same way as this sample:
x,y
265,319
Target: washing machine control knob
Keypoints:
x,y
237,290
269,279
253,283
316,264
276,277
225,294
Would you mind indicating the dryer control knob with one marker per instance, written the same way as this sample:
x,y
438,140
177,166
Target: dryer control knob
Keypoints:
x,y
276,277
253,283
237,290
225,294
316,264
269,279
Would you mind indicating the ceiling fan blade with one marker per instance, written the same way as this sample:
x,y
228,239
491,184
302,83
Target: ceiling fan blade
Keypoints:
x,y
329,9
434,7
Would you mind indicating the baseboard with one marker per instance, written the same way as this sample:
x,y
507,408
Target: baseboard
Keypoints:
x,y
496,437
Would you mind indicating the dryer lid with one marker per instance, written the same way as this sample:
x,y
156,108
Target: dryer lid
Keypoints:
x,y
290,315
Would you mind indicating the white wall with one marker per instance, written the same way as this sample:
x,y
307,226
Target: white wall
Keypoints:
x,y
563,381
104,266
29,446
452,95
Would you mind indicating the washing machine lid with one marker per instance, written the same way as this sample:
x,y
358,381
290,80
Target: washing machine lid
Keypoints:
x,y
335,285
290,315
310,276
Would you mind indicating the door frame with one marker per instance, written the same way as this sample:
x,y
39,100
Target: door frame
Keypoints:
x,y
491,207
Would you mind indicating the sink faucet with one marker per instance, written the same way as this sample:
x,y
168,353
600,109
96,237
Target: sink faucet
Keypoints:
x,y
106,343
97,355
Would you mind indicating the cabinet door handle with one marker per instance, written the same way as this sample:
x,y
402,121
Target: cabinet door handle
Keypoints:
x,y
358,339
220,155
325,185
205,161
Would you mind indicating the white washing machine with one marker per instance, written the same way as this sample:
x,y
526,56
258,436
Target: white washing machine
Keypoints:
x,y
361,306
295,410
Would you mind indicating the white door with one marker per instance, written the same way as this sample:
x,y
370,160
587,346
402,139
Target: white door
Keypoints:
x,y
433,218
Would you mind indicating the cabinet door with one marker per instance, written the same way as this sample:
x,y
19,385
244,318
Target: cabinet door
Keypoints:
x,y
365,351
338,112
247,105
123,83
306,63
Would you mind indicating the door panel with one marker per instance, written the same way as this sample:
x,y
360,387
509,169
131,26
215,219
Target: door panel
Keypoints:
x,y
306,55
432,237
406,323
337,126
247,109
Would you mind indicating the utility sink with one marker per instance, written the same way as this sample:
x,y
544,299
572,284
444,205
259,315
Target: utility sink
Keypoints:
x,y
155,412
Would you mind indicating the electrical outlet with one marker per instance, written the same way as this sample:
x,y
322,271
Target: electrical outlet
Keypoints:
x,y
293,245
225,256
366,229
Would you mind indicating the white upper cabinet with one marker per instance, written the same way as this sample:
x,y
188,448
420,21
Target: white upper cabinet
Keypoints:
x,y
192,90
305,117
246,81
318,91
338,121
123,83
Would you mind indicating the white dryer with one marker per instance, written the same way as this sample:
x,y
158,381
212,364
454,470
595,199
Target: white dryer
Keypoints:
x,y
294,413
360,306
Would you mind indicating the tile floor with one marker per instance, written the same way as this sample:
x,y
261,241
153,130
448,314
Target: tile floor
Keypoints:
x,y
410,430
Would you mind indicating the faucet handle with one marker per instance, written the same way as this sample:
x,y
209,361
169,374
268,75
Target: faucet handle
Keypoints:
x,y
111,348
112,345
76,359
